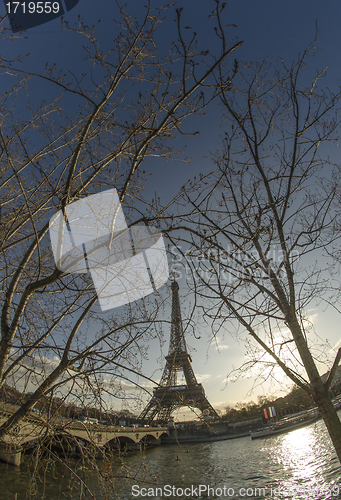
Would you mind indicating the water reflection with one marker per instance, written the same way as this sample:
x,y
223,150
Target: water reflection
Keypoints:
x,y
303,452
309,463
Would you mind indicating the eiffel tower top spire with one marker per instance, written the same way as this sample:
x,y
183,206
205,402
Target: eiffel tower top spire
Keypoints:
x,y
177,339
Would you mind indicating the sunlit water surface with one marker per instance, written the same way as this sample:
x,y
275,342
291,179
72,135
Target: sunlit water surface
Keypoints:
x,y
297,465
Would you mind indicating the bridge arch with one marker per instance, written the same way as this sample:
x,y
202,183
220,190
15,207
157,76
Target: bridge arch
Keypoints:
x,y
63,442
123,443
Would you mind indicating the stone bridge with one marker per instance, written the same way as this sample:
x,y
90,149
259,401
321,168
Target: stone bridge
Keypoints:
x,y
36,427
103,435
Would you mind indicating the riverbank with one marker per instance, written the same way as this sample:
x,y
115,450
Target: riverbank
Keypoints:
x,y
209,432
201,439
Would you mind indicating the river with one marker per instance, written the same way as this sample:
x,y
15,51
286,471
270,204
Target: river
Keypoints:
x,y
297,465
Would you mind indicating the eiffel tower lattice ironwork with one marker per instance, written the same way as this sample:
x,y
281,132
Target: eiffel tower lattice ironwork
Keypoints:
x,y
169,396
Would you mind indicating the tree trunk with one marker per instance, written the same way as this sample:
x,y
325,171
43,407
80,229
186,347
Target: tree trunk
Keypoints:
x,y
331,419
319,391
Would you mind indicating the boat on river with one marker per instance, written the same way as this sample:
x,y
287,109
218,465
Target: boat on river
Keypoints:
x,y
287,424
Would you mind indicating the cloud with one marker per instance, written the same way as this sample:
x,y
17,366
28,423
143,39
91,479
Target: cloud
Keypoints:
x,y
221,405
33,370
202,377
219,345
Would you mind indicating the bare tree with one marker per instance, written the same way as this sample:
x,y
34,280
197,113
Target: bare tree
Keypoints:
x,y
87,134
259,227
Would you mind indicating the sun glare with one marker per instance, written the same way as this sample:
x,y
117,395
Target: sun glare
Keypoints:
x,y
299,452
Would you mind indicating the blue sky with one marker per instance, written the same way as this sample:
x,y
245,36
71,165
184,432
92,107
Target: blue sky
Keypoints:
x,y
270,29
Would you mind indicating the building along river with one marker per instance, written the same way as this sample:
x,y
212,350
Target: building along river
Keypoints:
x,y
298,465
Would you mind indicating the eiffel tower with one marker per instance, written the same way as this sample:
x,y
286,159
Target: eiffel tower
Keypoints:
x,y
169,396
